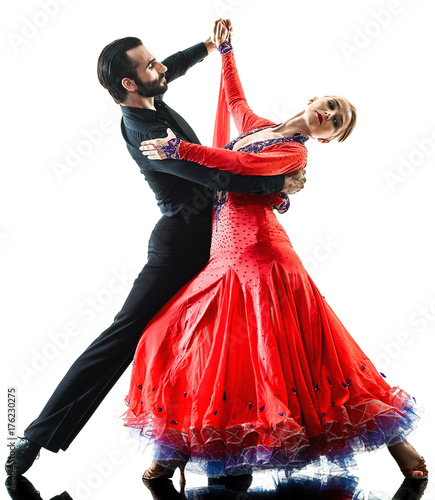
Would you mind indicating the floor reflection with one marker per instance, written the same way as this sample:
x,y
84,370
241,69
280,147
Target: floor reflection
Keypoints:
x,y
20,488
333,488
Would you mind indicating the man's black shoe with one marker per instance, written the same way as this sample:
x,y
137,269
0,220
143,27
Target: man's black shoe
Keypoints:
x,y
20,488
21,458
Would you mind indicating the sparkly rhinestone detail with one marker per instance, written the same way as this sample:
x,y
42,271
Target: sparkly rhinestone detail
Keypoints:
x,y
284,205
218,203
260,145
170,148
225,47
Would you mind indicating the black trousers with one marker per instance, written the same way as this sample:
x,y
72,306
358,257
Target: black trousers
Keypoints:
x,y
177,251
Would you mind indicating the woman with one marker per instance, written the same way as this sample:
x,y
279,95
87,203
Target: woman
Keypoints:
x,y
248,368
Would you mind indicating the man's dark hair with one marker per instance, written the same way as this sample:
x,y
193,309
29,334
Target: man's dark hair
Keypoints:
x,y
114,65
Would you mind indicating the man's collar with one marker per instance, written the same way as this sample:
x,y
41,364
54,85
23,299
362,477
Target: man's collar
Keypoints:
x,y
139,113
143,113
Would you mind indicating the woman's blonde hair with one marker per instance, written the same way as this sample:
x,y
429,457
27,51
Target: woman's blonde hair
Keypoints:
x,y
349,129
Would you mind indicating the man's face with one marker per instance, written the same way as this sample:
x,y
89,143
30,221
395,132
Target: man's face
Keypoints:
x,y
150,78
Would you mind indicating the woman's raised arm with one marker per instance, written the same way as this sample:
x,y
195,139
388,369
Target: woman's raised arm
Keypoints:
x,y
244,118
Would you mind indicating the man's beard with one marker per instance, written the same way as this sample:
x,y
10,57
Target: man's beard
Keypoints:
x,y
151,89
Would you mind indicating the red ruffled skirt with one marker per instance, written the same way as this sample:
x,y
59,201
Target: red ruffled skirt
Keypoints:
x,y
248,368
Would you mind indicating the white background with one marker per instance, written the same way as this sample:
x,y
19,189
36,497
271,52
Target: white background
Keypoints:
x,y
367,241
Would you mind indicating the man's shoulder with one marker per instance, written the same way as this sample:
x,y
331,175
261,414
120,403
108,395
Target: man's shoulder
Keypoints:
x,y
140,127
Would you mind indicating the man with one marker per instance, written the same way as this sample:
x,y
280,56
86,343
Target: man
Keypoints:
x,y
178,249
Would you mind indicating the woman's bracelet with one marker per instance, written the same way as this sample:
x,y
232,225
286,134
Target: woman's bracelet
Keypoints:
x,y
170,148
225,47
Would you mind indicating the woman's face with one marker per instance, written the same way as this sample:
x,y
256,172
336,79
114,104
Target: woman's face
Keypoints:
x,y
328,117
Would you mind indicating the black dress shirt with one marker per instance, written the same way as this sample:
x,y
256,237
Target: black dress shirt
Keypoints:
x,y
182,187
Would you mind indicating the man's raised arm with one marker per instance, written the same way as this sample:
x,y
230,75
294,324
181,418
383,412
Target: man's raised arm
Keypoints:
x,y
181,61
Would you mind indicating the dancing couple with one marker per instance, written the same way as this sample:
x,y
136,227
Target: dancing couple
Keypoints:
x,y
239,363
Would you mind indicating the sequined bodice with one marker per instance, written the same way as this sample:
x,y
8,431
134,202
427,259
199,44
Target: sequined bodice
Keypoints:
x,y
257,147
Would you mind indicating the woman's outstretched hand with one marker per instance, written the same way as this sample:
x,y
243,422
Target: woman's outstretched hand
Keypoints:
x,y
149,148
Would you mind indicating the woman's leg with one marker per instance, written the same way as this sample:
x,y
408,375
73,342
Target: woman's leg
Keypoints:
x,y
406,456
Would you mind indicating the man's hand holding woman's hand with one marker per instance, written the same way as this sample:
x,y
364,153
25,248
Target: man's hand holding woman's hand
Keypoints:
x,y
221,29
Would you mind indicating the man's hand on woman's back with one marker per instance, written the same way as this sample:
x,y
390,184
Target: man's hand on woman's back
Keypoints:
x,y
294,182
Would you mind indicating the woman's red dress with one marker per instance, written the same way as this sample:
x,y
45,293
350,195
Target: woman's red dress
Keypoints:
x,y
247,367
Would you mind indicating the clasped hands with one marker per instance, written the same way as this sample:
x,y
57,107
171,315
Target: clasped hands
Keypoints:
x,y
222,30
